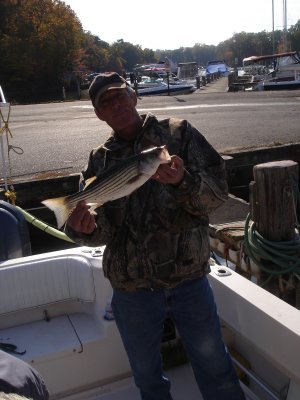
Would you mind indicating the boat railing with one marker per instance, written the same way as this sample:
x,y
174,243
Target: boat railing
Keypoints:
x,y
266,325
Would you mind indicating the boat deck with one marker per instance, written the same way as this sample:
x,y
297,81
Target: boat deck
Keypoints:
x,y
183,386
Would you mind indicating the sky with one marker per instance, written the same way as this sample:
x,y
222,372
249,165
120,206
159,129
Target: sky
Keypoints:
x,y
167,25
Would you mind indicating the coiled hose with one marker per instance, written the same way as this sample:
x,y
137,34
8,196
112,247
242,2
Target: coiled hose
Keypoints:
x,y
284,255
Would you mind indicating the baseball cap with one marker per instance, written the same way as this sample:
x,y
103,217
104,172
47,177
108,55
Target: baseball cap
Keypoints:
x,y
104,82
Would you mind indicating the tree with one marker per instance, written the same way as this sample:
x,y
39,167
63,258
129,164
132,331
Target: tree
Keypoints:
x,y
294,36
43,46
39,41
94,54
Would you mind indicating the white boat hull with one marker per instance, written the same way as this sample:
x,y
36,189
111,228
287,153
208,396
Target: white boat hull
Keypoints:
x,y
52,305
163,89
281,85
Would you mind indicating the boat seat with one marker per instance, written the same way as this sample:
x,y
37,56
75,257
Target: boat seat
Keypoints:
x,y
37,283
52,309
47,293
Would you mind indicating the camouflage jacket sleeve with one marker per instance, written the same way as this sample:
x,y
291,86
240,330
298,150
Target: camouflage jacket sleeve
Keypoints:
x,y
204,186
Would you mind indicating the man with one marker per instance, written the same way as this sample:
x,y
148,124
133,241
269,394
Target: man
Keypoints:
x,y
157,243
16,376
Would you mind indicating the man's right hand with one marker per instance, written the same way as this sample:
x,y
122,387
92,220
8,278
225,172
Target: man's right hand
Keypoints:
x,y
82,219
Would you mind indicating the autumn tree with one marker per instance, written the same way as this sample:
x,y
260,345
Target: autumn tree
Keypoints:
x,y
39,41
94,54
294,36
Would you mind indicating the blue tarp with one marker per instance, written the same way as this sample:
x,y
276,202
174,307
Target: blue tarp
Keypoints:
x,y
216,66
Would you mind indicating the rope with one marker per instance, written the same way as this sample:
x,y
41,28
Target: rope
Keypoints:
x,y
10,194
283,255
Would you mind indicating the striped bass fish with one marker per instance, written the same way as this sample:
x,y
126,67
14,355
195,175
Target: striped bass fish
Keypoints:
x,y
116,182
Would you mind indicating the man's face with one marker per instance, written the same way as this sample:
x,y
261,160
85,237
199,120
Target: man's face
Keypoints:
x,y
117,108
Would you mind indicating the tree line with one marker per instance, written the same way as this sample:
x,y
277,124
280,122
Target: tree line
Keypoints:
x,y
45,51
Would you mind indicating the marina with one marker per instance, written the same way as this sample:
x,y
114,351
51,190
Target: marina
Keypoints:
x,y
55,302
60,295
270,72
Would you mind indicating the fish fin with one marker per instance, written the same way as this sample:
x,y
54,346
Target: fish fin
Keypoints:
x,y
165,156
60,208
93,207
89,181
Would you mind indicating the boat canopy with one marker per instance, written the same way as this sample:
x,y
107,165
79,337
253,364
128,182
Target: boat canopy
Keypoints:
x,y
187,70
291,54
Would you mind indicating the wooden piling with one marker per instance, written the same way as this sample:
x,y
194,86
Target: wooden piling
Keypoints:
x,y
273,199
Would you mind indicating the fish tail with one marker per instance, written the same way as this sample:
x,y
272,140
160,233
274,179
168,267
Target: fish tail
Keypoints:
x,y
60,208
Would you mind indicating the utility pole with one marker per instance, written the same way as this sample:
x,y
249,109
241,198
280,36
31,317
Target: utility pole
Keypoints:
x,y
273,37
284,25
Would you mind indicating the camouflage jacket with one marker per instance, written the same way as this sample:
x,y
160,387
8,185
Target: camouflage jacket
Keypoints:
x,y
158,236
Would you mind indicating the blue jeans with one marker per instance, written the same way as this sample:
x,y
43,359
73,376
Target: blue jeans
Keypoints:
x,y
140,319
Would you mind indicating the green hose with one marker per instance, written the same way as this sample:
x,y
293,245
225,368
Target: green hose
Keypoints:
x,y
284,255
43,226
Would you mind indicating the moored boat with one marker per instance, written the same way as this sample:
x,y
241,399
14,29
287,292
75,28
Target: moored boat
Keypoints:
x,y
277,84
55,307
284,71
164,88
217,66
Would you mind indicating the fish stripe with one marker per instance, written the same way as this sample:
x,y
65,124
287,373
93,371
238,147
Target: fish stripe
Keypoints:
x,y
106,186
115,180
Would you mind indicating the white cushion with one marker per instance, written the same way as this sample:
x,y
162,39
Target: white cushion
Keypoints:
x,y
39,282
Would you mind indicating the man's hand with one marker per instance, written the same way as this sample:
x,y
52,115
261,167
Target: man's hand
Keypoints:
x,y
170,173
82,219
